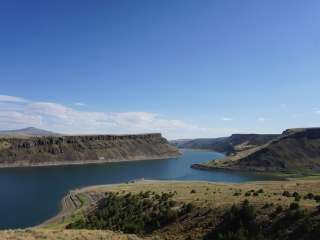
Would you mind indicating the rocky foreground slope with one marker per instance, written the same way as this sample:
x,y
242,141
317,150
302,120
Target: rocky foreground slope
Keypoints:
x,y
294,150
62,150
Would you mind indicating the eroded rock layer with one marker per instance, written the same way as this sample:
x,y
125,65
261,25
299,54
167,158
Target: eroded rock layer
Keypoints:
x,y
62,150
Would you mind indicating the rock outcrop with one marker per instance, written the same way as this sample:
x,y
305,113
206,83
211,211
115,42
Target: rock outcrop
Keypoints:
x,y
64,150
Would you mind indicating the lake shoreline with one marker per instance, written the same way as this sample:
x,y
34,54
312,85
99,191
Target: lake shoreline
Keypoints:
x,y
51,183
68,205
85,162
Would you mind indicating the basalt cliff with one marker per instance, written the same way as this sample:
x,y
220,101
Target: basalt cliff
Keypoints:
x,y
66,150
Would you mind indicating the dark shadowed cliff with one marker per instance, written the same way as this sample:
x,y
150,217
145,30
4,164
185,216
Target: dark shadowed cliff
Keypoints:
x,y
39,151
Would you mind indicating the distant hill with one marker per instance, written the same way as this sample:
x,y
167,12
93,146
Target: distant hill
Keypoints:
x,y
228,145
27,132
216,144
294,150
179,142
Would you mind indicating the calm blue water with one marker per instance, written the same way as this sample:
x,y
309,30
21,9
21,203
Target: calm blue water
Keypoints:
x,y
28,196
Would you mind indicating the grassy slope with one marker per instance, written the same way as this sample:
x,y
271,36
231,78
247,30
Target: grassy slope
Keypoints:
x,y
218,195
206,196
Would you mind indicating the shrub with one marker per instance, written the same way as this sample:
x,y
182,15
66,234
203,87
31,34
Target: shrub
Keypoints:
x,y
247,194
279,209
238,223
317,198
286,194
193,191
294,206
309,196
129,213
165,196
146,194
260,191
172,203
297,198
295,194
266,205
294,215
186,208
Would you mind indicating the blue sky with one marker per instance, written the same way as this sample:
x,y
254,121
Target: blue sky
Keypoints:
x,y
186,68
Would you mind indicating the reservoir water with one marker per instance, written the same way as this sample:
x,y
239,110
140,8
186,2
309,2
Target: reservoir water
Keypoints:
x,y
28,196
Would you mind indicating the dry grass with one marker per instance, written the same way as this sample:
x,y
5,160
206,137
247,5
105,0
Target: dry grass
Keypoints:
x,y
204,195
37,234
214,195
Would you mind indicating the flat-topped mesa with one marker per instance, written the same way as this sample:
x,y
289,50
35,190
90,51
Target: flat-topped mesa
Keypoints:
x,y
82,149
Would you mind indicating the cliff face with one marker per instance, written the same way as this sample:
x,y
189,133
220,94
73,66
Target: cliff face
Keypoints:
x,y
294,150
38,151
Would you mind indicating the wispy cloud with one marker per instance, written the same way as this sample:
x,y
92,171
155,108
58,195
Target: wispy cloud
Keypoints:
x,y
7,98
80,104
317,111
16,112
226,119
261,119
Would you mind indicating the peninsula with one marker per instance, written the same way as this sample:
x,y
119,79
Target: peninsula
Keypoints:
x,y
295,150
